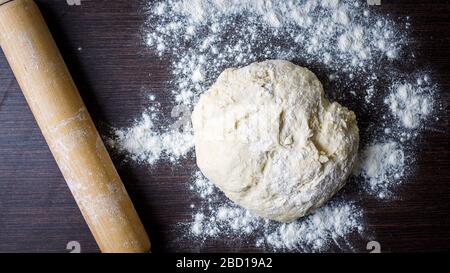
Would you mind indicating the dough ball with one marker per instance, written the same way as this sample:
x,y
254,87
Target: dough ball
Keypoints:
x,y
269,139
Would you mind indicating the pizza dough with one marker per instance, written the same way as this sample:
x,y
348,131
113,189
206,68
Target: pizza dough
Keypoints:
x,y
269,139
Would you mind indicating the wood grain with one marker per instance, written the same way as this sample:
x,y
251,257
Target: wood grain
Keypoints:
x,y
69,130
113,70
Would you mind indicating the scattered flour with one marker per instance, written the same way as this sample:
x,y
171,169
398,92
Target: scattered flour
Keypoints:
x,y
330,223
141,141
204,37
382,166
344,40
411,103
145,144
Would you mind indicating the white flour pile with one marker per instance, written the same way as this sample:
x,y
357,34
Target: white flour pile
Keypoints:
x,y
219,218
382,166
347,45
205,37
411,103
146,145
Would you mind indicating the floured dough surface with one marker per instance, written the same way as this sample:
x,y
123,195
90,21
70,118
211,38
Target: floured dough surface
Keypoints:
x,y
269,139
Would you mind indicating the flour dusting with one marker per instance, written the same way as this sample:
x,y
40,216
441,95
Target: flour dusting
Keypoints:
x,y
345,42
411,103
218,219
382,166
146,144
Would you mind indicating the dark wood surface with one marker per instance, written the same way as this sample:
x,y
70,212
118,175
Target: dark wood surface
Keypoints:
x,y
113,70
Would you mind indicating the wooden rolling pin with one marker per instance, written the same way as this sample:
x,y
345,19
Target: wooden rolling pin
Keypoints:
x,y
68,129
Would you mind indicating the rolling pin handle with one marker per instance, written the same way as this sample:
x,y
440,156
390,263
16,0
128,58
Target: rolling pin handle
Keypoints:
x,y
68,129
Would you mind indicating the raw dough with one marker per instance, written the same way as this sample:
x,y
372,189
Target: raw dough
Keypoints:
x,y
269,139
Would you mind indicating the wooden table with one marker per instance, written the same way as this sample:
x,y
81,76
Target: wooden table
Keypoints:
x,y
101,43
